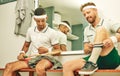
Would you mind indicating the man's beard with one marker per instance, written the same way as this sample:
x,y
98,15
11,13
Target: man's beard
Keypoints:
x,y
40,27
91,20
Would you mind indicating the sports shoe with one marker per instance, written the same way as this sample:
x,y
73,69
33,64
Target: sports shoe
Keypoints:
x,y
89,68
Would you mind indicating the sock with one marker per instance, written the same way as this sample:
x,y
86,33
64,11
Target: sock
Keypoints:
x,y
95,53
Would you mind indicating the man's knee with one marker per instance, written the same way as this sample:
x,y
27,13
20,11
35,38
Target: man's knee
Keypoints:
x,y
40,70
67,66
40,67
9,67
44,64
101,34
101,30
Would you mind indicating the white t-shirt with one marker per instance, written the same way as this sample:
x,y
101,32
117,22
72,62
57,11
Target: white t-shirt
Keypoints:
x,y
62,38
46,38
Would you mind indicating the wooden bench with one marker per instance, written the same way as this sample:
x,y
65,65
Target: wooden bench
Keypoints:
x,y
105,71
31,71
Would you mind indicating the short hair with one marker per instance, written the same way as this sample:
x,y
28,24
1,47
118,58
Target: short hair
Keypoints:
x,y
66,22
87,4
39,11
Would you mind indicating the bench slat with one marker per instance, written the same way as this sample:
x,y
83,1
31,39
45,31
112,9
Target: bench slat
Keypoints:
x,y
52,70
108,70
32,70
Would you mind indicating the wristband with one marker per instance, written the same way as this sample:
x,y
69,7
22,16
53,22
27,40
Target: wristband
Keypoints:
x,y
114,39
22,52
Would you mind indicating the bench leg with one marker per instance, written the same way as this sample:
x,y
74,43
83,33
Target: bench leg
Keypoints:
x,y
31,73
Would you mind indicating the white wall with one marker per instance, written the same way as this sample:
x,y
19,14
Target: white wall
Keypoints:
x,y
109,8
10,44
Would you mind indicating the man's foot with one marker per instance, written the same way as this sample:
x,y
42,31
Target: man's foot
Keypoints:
x,y
89,68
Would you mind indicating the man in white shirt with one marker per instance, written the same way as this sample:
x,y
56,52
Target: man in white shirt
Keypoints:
x,y
100,38
44,40
63,29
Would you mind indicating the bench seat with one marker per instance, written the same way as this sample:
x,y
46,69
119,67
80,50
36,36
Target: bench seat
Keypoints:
x,y
31,71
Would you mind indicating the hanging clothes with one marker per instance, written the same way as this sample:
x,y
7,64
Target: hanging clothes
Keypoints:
x,y
24,11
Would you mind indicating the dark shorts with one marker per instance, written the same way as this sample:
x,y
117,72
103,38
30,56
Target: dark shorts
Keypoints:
x,y
111,61
56,64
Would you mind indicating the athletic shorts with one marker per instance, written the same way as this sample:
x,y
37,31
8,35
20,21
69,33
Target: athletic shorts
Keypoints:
x,y
110,61
56,64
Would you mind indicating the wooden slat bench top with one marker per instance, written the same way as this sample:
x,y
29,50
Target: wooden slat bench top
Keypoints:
x,y
60,70
31,71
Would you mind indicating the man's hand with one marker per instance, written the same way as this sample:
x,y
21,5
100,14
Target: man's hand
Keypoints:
x,y
56,52
107,42
88,48
21,56
42,50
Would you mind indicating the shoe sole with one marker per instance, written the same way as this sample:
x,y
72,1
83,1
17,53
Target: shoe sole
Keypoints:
x,y
87,72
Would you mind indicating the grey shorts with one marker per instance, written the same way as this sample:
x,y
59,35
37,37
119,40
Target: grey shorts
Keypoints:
x,y
56,64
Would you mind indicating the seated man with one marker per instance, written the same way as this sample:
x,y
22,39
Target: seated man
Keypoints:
x,y
44,41
63,29
100,38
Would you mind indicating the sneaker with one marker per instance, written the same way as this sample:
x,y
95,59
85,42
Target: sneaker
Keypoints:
x,y
89,68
